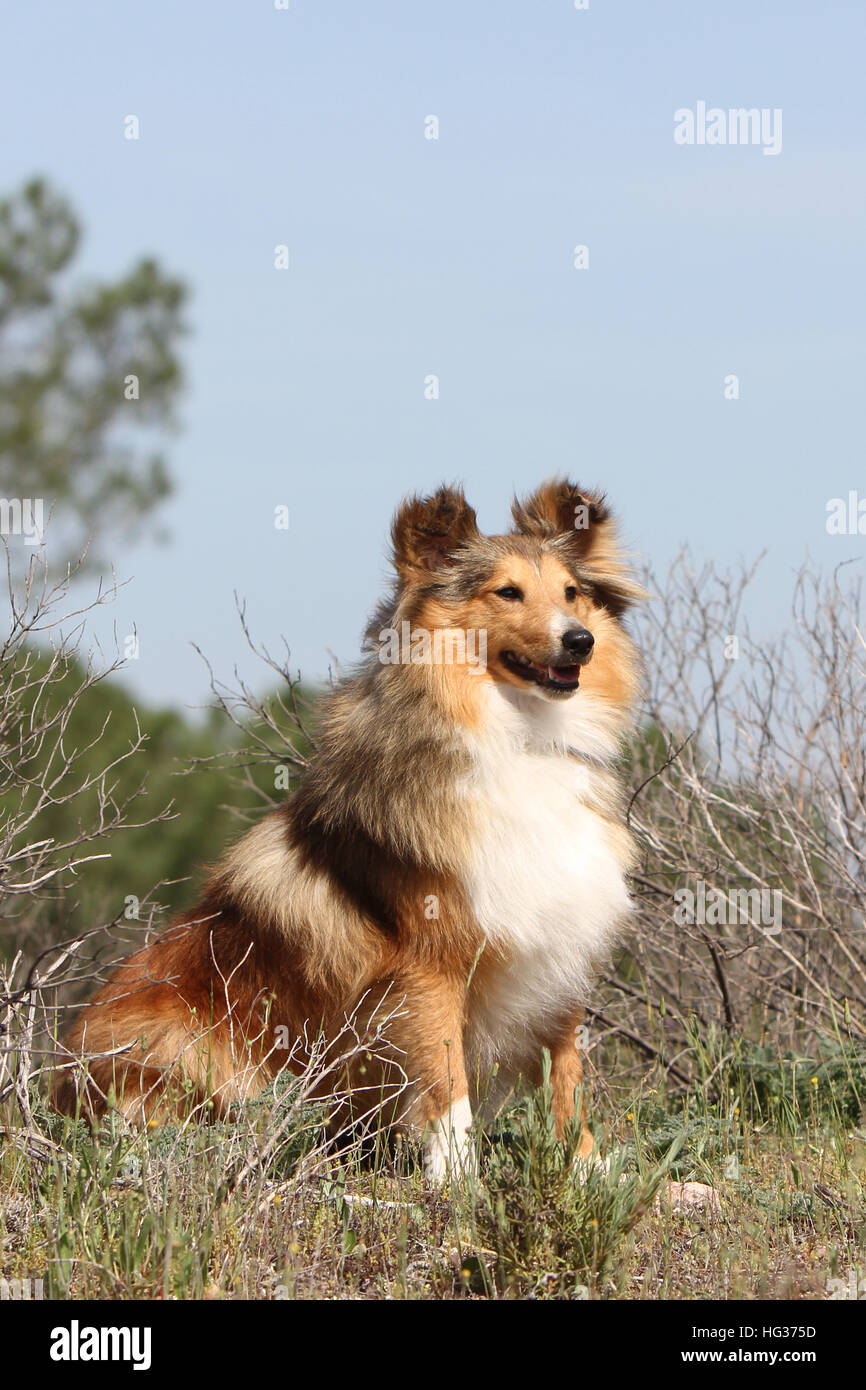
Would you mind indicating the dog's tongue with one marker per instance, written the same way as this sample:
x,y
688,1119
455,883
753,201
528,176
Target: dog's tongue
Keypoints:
x,y
563,674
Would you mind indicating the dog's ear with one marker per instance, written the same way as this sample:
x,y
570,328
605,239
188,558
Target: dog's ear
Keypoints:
x,y
561,508
428,530
580,524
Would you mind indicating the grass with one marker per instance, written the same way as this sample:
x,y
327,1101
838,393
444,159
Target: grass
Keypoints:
x,y
188,1213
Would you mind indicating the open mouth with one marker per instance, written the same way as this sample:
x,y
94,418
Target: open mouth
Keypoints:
x,y
562,679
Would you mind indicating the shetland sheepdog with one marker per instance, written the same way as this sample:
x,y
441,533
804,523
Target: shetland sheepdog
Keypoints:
x,y
458,845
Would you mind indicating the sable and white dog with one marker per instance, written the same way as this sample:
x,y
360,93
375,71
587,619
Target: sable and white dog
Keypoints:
x,y
457,845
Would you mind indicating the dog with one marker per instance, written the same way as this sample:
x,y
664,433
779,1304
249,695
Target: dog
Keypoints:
x,y
458,848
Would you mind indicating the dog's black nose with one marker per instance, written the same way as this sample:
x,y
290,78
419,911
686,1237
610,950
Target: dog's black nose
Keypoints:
x,y
577,641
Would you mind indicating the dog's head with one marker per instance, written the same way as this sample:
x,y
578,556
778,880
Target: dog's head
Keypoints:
x,y
549,595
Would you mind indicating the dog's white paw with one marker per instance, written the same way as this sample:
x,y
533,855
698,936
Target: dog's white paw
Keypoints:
x,y
592,1163
601,1166
448,1149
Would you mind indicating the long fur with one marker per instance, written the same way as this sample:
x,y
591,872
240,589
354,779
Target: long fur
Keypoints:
x,y
458,845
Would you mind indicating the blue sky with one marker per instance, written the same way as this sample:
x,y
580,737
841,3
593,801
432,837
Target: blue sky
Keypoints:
x,y
454,256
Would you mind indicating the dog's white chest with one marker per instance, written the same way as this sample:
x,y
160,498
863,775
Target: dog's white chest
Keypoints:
x,y
546,882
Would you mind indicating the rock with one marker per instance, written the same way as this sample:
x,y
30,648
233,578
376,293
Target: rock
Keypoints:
x,y
689,1196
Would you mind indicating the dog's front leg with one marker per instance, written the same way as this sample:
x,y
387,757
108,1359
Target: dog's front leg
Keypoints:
x,y
566,1079
432,1037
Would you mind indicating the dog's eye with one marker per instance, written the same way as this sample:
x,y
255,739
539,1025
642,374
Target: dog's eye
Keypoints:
x,y
570,593
510,593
